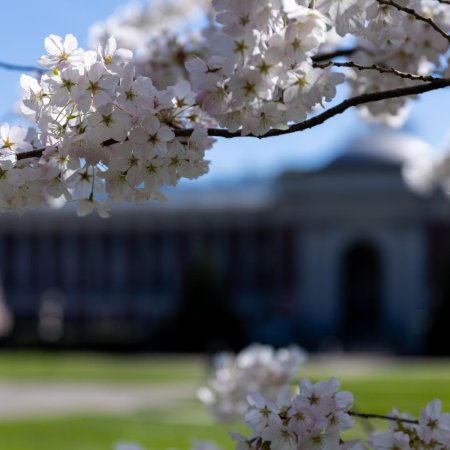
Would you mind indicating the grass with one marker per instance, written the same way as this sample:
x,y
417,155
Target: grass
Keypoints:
x,y
100,367
151,429
377,388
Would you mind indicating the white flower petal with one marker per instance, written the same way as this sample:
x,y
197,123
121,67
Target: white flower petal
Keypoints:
x,y
70,43
54,45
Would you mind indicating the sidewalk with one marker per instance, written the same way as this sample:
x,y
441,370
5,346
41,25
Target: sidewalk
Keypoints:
x,y
33,398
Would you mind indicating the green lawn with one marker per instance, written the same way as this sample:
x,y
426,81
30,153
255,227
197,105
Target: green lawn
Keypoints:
x,y
155,430
377,389
100,367
407,384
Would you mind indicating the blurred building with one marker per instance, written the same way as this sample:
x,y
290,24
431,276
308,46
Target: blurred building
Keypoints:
x,y
343,257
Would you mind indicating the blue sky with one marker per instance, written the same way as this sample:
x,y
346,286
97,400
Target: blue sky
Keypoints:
x,y
26,23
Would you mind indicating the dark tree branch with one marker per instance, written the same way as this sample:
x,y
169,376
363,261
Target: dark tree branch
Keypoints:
x,y
37,153
380,416
437,83
20,68
337,53
381,69
417,16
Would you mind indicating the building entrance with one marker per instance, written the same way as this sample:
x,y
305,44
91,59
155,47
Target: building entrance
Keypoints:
x,y
361,291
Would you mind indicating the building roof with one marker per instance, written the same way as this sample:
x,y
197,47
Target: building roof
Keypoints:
x,y
381,148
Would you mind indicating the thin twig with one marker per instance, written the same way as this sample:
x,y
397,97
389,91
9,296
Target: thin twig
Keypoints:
x,y
380,416
416,15
381,69
20,68
445,2
438,83
317,58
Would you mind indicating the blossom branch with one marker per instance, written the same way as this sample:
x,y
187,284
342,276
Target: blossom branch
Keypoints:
x,y
140,112
439,83
383,417
417,16
338,53
37,153
381,69
436,83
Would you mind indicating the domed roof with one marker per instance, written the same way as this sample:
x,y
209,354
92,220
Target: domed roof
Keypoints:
x,y
382,147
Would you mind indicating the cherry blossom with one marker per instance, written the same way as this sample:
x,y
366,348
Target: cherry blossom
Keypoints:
x,y
12,141
305,421
257,369
113,126
61,53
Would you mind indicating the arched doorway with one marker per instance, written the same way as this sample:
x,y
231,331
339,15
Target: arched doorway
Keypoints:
x,y
361,296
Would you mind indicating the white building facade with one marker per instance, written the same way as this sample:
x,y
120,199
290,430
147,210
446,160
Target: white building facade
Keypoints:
x,y
342,257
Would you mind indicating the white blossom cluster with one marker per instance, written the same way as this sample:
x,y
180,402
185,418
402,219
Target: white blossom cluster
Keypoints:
x,y
256,369
431,432
106,133
252,71
426,173
315,418
429,172
165,56
110,126
265,75
160,34
256,60
260,74
134,24
397,40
